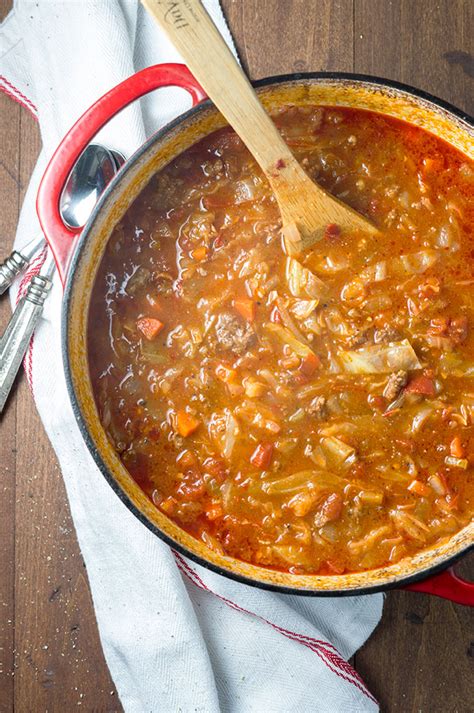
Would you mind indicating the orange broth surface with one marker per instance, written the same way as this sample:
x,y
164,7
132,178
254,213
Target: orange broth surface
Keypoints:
x,y
312,414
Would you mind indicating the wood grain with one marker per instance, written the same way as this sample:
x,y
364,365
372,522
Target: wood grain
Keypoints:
x,y
9,161
420,658
50,654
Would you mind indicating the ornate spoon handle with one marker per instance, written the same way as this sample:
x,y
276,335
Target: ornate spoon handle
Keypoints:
x,y
22,324
16,263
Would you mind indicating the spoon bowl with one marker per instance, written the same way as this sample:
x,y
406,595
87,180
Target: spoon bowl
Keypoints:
x,y
94,169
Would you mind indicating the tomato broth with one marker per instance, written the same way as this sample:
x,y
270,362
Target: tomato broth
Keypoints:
x,y
312,414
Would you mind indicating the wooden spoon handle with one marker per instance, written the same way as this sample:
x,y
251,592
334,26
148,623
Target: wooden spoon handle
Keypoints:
x,y
199,42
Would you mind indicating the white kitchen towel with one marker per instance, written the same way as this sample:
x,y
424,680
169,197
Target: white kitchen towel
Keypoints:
x,y
176,637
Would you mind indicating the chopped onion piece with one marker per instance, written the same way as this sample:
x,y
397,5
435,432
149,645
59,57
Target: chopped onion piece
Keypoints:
x,y
420,418
377,272
437,484
380,358
417,263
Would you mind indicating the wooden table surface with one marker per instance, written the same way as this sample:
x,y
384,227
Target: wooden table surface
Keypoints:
x,y
421,657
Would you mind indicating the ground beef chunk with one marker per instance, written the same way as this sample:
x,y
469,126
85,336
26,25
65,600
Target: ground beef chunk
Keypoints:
x,y
396,382
318,408
357,339
386,334
163,283
233,334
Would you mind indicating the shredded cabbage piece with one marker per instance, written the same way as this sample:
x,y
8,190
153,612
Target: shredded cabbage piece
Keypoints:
x,y
301,309
302,480
302,282
223,430
380,358
287,337
287,320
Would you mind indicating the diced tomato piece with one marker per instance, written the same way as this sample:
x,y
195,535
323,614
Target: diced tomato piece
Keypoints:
x,y
456,448
332,231
192,488
262,456
309,364
423,385
246,308
149,327
214,511
330,510
216,468
186,423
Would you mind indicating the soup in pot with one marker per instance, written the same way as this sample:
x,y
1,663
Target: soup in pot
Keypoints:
x,y
314,413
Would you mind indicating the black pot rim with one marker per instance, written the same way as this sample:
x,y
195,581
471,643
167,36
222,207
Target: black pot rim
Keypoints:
x,y
68,290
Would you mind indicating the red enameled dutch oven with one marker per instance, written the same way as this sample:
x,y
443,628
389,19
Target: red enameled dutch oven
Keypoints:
x,y
78,255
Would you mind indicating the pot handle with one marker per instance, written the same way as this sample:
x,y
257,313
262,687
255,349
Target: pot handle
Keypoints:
x,y
62,239
447,585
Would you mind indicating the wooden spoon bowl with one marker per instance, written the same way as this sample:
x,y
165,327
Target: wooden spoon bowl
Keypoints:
x,y
306,208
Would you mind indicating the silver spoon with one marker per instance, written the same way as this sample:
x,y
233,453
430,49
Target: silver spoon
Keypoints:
x,y
83,188
94,169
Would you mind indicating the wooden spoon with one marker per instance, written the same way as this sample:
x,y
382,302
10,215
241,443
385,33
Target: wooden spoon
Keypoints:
x,y
306,208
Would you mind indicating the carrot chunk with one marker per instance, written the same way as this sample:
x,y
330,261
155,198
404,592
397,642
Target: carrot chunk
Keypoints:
x,y
186,424
419,488
309,364
199,253
262,456
456,448
150,327
246,308
421,385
